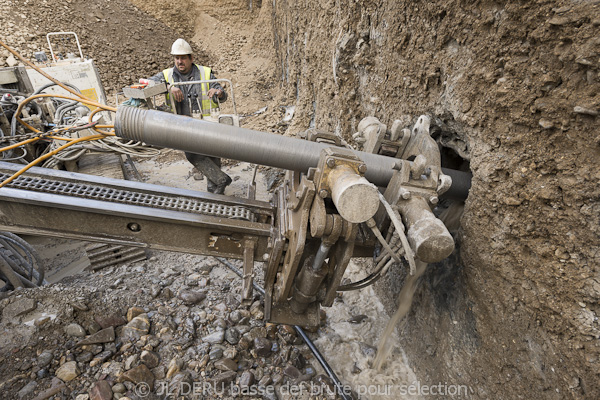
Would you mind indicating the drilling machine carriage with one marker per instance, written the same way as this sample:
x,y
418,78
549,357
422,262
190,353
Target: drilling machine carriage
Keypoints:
x,y
335,204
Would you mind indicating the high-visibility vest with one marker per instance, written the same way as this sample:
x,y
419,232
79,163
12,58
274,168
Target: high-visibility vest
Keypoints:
x,y
205,72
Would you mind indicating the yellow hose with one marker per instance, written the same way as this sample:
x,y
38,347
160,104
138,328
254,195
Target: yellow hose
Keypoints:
x,y
79,97
96,128
47,155
24,142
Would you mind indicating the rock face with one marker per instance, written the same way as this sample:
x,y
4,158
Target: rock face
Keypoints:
x,y
524,284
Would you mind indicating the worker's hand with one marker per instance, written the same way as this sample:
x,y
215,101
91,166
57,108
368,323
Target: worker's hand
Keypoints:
x,y
177,93
214,91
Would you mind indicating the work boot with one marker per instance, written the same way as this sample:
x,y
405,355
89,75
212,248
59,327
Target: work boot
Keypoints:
x,y
219,188
217,180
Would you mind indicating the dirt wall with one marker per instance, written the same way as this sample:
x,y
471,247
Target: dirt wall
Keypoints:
x,y
515,85
125,42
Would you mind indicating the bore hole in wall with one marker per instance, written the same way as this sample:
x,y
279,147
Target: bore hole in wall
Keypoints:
x,y
454,151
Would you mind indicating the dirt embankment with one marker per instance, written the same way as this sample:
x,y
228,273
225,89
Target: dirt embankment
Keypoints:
x,y
516,87
125,42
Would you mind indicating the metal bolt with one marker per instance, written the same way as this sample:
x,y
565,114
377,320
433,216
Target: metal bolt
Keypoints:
x,y
134,227
405,194
362,168
323,193
266,257
433,199
330,162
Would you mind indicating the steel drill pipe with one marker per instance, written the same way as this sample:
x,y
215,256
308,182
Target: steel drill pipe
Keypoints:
x,y
218,140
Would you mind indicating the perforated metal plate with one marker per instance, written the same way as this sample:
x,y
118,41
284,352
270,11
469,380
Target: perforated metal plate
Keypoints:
x,y
105,193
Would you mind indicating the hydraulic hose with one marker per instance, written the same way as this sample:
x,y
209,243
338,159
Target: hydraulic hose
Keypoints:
x,y
330,372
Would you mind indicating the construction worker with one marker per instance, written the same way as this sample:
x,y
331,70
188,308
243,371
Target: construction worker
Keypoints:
x,y
192,99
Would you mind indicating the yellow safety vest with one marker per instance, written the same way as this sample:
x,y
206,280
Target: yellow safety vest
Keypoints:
x,y
205,72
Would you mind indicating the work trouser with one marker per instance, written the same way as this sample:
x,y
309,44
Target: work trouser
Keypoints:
x,y
217,180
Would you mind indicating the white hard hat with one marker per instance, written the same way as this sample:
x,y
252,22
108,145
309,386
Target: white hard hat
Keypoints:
x,y
180,48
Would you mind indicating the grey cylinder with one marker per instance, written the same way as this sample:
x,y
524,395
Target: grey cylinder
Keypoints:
x,y
427,235
197,136
355,198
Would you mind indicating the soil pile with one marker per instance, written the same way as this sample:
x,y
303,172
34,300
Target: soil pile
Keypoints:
x,y
125,42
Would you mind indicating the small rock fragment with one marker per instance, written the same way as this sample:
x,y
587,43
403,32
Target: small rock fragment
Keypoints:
x,y
546,124
75,330
134,312
137,327
262,346
174,367
190,297
101,391
291,371
11,61
232,336
104,336
30,387
150,358
226,364
68,371
101,357
84,357
19,307
215,337
138,375
45,358
247,379
132,361
215,353
585,111
119,388
110,321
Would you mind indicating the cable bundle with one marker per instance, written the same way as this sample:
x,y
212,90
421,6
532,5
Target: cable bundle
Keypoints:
x,y
20,265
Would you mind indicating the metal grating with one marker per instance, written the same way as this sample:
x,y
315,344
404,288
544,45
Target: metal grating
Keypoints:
x,y
103,193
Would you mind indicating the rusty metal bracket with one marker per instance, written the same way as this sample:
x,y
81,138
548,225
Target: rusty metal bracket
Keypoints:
x,y
338,262
331,158
315,135
249,245
299,201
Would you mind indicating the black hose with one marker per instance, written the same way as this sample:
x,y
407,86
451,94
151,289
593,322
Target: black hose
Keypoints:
x,y
32,269
63,109
41,89
36,267
338,384
363,283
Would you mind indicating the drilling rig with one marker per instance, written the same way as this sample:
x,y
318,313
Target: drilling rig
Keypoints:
x,y
336,203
